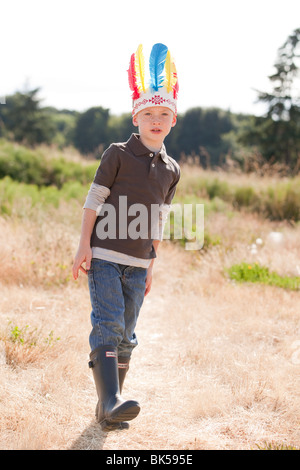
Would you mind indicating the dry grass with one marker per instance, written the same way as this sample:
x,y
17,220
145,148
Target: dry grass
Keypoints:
x,y
214,368
236,178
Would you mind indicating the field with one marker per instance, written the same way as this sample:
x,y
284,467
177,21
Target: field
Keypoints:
x,y
217,366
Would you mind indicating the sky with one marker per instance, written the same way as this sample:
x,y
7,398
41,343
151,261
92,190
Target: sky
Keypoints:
x,y
77,52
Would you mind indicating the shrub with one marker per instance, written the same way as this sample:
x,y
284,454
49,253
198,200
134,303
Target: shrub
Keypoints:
x,y
246,272
20,198
282,203
244,197
33,167
24,345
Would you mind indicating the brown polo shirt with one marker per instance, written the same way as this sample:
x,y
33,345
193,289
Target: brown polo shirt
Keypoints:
x,y
133,177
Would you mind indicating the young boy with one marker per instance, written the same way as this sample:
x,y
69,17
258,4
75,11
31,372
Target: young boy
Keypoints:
x,y
133,177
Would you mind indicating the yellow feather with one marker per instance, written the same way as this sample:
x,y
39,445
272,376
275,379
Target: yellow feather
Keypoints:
x,y
168,66
140,68
171,75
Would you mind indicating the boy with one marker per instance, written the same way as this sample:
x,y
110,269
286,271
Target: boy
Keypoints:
x,y
134,176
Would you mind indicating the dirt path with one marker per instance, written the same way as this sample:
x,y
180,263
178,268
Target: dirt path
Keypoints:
x,y
153,376
199,370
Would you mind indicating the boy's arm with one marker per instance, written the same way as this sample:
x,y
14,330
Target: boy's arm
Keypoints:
x,y
150,269
84,252
92,207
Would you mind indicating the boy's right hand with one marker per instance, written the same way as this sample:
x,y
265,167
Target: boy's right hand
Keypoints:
x,y
84,254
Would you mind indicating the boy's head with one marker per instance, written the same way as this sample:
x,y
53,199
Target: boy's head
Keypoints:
x,y
161,90
154,124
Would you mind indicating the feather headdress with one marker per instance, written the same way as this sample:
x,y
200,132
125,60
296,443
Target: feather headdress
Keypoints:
x,y
162,89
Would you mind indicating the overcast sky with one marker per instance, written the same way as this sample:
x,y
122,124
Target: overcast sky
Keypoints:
x,y
78,52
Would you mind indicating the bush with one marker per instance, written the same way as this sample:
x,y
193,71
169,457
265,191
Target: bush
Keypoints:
x,y
245,272
33,167
275,203
282,203
217,188
20,198
244,197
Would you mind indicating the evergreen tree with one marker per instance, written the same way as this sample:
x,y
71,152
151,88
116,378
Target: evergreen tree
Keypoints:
x,y
277,134
24,121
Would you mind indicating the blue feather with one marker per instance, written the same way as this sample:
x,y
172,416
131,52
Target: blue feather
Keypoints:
x,y
157,64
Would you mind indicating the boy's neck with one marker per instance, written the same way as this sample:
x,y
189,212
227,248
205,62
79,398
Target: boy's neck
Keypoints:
x,y
150,146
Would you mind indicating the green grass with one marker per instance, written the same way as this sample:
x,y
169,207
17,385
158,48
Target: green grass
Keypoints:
x,y
20,198
27,336
253,272
280,202
36,167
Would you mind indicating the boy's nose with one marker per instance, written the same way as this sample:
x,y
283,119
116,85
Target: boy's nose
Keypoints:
x,y
155,119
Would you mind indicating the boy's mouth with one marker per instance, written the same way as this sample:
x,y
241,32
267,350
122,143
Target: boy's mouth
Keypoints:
x,y
156,131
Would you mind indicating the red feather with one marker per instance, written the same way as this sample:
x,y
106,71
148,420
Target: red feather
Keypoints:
x,y
175,89
132,79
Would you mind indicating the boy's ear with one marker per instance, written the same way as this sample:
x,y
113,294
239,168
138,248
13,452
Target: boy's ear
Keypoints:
x,y
134,121
174,121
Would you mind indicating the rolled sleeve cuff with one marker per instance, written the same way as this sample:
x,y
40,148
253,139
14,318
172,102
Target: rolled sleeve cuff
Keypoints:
x,y
96,197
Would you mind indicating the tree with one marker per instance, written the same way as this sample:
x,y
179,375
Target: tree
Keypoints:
x,y
120,127
200,132
91,131
277,134
64,121
284,99
24,121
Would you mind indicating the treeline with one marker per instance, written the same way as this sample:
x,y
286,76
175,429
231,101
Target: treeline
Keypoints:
x,y
207,133
42,178
210,137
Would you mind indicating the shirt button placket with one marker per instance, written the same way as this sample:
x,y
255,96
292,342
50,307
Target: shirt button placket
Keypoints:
x,y
153,166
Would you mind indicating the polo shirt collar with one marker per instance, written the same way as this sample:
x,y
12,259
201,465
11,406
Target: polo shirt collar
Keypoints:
x,y
139,149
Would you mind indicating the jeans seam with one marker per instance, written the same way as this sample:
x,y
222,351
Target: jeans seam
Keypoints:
x,y
95,296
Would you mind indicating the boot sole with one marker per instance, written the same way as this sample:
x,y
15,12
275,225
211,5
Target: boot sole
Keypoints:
x,y
125,412
106,426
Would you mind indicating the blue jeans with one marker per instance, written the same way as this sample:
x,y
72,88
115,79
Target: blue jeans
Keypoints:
x,y
117,293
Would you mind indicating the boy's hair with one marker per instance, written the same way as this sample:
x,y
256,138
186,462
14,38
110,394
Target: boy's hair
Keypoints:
x,y
162,89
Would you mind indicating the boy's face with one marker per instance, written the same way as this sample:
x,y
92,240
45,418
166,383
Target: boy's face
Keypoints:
x,y
154,125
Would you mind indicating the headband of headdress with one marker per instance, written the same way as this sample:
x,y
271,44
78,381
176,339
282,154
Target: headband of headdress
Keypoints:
x,y
162,89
